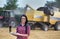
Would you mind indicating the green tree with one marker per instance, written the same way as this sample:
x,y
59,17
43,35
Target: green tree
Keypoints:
x,y
50,4
1,9
58,3
11,5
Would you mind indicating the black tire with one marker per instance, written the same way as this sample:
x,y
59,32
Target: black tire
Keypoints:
x,y
35,25
32,27
1,24
57,26
45,28
13,24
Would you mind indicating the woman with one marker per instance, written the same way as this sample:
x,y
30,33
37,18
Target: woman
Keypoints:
x,y
23,30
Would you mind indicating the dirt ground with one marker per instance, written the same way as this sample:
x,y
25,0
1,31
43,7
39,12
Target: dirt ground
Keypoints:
x,y
35,34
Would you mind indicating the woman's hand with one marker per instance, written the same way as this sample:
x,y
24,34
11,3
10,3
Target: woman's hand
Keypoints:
x,y
12,33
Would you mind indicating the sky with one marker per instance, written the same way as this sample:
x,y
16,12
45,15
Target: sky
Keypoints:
x,y
22,3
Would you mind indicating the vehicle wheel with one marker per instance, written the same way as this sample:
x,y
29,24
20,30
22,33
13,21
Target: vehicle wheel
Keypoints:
x,y
57,26
1,24
45,28
13,23
32,26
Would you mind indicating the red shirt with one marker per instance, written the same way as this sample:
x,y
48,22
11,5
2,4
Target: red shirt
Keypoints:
x,y
22,30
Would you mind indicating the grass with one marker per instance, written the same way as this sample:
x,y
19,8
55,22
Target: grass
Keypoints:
x,y
34,34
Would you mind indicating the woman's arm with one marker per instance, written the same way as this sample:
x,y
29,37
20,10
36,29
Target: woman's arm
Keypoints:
x,y
17,34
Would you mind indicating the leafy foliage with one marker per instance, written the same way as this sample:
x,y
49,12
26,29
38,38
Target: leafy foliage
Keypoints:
x,y
11,4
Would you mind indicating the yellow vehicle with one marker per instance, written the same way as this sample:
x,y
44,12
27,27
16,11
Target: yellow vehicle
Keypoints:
x,y
43,18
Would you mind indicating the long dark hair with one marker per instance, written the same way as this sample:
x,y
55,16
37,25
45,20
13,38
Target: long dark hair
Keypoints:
x,y
25,22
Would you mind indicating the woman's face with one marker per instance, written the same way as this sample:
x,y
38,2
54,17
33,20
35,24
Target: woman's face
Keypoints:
x,y
23,19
